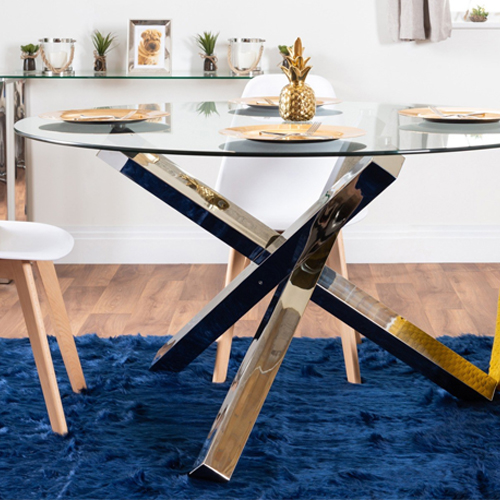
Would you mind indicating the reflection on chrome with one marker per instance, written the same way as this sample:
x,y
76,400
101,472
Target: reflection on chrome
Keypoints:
x,y
209,195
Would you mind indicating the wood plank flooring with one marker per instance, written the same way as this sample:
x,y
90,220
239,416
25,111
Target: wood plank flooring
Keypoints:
x,y
111,300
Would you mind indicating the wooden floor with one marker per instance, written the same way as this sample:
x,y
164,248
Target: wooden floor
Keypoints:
x,y
110,300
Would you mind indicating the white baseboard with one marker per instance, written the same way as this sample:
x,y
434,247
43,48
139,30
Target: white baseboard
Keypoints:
x,y
155,245
393,244
364,244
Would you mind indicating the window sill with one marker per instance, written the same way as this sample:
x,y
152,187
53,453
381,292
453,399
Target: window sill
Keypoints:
x,y
493,22
488,25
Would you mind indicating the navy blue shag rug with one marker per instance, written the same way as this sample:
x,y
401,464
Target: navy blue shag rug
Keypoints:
x,y
136,434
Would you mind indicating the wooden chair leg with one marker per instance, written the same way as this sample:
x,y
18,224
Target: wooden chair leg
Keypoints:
x,y
28,297
237,262
62,326
340,265
350,338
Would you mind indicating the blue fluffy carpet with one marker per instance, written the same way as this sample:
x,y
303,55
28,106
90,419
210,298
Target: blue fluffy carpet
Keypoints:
x,y
136,434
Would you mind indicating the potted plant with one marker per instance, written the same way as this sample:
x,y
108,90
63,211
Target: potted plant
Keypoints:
x,y
478,14
29,53
206,43
284,51
102,44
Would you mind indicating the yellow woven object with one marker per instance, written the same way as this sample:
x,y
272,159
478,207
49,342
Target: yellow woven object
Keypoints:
x,y
495,352
444,357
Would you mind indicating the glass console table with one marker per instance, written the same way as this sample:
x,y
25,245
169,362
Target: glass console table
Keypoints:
x,y
13,108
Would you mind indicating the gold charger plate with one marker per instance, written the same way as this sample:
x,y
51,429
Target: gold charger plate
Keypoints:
x,y
489,116
105,115
324,133
272,102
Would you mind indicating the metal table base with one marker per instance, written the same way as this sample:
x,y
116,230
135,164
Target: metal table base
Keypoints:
x,y
294,264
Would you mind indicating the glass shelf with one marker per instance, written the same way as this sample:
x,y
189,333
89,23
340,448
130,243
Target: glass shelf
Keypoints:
x,y
82,74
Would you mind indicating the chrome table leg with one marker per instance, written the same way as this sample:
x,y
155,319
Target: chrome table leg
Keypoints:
x,y
401,338
258,370
10,153
12,150
19,114
3,160
20,162
3,136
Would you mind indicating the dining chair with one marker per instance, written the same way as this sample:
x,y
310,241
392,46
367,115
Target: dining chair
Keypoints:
x,y
277,191
21,244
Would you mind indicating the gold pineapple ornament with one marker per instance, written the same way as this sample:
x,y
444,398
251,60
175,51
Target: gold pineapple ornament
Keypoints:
x,y
297,99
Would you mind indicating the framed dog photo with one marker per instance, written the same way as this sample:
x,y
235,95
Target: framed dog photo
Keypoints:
x,y
149,47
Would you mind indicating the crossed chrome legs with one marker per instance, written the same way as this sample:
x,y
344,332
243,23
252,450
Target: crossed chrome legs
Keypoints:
x,y
294,263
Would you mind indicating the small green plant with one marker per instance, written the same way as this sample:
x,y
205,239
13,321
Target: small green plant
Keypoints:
x,y
30,49
207,42
284,50
207,108
479,12
102,43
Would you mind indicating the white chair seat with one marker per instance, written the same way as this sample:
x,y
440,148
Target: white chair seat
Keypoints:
x,y
24,245
33,241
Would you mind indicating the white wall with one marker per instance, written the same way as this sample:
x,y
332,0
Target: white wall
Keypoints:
x,y
442,208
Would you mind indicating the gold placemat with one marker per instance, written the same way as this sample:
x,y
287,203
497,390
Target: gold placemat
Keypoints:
x,y
104,115
270,132
480,115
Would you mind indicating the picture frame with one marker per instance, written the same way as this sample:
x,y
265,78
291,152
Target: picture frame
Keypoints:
x,y
149,47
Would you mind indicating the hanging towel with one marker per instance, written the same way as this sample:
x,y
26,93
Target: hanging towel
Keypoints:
x,y
411,20
439,20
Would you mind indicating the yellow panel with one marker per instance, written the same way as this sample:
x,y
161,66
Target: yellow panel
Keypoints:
x,y
444,357
495,353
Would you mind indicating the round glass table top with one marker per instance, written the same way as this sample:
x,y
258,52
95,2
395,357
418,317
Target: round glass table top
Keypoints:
x,y
195,129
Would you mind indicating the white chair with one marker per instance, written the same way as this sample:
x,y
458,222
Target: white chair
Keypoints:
x,y
277,191
20,244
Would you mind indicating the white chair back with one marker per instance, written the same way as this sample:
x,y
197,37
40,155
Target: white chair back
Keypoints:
x,y
276,190
272,85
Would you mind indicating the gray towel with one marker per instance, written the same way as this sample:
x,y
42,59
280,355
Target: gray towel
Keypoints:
x,y
420,19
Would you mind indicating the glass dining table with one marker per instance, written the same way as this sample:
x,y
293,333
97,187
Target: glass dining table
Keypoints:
x,y
292,263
